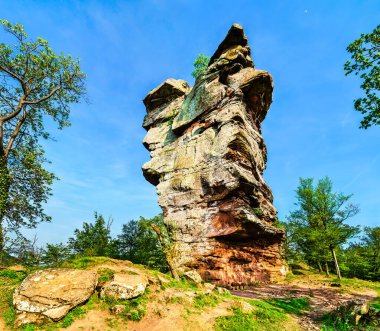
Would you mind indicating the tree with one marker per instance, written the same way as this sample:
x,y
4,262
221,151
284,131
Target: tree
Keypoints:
x,y
36,84
371,242
318,223
53,255
94,239
362,259
365,62
25,251
200,65
139,243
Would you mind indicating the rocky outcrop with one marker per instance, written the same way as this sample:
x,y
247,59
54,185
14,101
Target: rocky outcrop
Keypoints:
x,y
207,162
51,294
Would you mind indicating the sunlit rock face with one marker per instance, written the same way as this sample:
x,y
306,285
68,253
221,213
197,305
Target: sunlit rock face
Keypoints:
x,y
207,162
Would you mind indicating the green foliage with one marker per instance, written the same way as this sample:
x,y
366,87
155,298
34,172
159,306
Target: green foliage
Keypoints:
x,y
258,212
317,227
36,84
25,251
278,224
94,239
200,65
362,259
139,243
54,255
365,62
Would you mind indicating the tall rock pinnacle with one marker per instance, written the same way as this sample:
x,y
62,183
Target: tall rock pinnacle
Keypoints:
x,y
207,162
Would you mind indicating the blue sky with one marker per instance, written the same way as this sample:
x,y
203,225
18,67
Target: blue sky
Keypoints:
x,y
129,47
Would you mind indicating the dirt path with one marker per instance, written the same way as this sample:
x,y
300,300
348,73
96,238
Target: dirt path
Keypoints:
x,y
322,298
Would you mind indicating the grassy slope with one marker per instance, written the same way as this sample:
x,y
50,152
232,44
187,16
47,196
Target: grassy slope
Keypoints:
x,y
179,302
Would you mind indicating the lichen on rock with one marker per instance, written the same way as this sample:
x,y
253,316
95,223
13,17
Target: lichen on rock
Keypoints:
x,y
207,161
124,286
51,294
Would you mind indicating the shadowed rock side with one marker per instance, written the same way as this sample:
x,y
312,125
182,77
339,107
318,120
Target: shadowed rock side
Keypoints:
x,y
207,161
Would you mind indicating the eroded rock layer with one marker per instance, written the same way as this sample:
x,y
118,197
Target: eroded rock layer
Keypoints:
x,y
207,162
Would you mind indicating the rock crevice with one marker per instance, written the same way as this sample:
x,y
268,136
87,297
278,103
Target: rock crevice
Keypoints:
x,y
207,162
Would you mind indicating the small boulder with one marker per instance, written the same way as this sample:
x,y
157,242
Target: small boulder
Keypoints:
x,y
193,276
209,286
52,293
117,309
162,280
355,310
222,290
244,306
23,318
124,286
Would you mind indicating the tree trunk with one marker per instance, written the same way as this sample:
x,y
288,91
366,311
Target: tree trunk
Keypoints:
x,y
4,192
335,262
327,269
167,251
320,267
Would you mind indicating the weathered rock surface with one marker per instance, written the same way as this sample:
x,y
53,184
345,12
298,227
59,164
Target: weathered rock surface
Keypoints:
x,y
207,161
51,293
124,286
193,276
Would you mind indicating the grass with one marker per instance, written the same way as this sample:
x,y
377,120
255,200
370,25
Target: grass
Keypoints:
x,y
74,314
84,262
182,284
105,275
206,300
265,317
29,327
268,315
10,277
9,316
238,321
9,280
297,306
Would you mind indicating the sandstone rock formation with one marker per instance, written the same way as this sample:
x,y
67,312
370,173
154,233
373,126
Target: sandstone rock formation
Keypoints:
x,y
51,293
207,161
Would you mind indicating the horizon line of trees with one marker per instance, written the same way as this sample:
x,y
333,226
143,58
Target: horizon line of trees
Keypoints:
x,y
316,235
137,243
